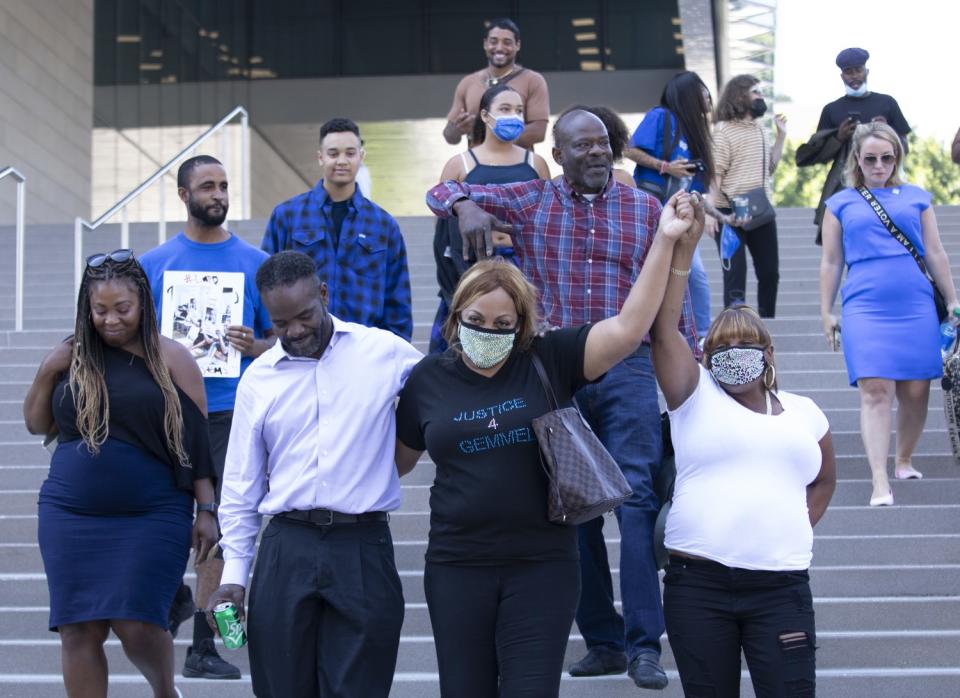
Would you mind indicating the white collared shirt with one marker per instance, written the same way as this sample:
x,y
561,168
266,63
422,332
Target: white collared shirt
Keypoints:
x,y
311,434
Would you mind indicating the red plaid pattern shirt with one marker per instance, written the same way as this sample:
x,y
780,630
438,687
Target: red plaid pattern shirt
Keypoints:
x,y
583,256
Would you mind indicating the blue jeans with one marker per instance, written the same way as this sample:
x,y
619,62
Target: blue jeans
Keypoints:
x,y
622,409
700,294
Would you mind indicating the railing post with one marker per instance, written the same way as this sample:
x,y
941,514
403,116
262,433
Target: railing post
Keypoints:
x,y
245,163
21,217
162,218
124,229
77,255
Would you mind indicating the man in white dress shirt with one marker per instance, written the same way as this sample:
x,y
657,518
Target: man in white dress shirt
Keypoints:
x,y
312,445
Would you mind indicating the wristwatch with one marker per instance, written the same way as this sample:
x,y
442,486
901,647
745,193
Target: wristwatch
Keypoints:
x,y
209,506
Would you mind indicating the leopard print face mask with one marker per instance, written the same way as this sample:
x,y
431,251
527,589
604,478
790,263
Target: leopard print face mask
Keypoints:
x,y
737,365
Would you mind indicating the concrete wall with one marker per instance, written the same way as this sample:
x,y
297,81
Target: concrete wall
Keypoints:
x,y
46,106
273,179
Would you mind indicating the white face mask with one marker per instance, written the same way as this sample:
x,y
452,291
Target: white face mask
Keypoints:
x,y
859,92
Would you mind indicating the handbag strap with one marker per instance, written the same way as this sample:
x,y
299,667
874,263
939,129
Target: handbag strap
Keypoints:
x,y
542,374
894,230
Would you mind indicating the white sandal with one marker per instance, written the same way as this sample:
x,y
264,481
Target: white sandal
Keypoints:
x,y
907,472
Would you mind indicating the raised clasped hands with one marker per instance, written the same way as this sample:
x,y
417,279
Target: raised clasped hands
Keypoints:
x,y
682,219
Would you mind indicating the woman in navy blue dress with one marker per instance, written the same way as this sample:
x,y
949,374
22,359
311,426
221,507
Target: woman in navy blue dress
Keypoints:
x,y
890,330
116,510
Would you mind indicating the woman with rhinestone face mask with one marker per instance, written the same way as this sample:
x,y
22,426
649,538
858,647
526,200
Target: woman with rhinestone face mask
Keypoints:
x,y
755,472
501,581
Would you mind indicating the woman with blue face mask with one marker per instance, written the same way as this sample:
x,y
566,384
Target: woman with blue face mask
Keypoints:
x,y
755,472
501,581
494,159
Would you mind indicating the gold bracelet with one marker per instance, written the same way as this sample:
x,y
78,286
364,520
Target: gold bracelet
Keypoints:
x,y
679,272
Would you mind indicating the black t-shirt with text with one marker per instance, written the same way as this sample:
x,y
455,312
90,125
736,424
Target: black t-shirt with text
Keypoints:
x,y
488,503
869,106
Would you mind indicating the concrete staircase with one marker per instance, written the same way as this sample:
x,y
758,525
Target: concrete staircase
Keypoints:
x,y
886,581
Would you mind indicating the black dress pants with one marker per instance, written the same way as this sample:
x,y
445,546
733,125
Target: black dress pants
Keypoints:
x,y
762,243
713,611
501,630
325,611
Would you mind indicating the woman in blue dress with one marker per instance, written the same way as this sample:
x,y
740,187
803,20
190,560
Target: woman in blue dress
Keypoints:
x,y
116,510
890,328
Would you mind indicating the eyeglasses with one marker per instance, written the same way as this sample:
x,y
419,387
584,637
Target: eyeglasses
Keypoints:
x,y
101,258
885,159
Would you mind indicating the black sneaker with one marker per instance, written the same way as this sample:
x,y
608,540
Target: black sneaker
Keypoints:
x,y
203,662
181,609
599,662
646,672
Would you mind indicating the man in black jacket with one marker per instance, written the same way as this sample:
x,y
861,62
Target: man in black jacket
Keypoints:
x,y
840,118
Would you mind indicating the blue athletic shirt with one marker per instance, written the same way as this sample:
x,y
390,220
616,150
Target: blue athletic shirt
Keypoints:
x,y
232,255
649,138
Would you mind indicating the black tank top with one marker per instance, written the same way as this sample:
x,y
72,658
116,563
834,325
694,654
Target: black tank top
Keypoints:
x,y
447,233
136,416
500,174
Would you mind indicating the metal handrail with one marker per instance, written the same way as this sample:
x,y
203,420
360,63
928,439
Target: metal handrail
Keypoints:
x,y
21,207
122,204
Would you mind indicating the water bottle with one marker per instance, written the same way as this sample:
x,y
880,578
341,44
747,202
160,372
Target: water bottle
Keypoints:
x,y
948,334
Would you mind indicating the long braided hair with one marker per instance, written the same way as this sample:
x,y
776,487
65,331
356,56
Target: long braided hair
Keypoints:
x,y
87,381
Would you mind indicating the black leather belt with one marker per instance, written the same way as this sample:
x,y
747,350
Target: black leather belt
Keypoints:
x,y
327,517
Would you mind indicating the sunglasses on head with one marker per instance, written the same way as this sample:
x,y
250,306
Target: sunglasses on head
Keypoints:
x,y
885,159
101,258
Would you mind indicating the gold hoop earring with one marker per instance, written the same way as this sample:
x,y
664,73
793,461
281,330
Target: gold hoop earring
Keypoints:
x,y
770,376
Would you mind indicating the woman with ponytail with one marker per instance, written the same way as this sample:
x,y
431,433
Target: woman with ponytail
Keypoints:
x,y
495,158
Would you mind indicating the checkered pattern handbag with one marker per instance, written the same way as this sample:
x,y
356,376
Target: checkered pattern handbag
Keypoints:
x,y
584,481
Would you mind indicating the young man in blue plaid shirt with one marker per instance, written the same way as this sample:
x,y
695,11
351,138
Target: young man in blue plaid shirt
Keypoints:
x,y
357,246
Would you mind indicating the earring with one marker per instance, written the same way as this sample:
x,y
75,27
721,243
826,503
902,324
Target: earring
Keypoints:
x,y
769,376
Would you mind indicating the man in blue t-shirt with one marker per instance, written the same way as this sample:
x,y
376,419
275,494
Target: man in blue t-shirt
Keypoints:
x,y
208,250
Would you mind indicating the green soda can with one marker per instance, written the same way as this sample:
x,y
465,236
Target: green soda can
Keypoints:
x,y
229,625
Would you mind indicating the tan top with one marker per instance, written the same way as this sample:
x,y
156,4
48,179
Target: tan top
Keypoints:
x,y
529,84
738,150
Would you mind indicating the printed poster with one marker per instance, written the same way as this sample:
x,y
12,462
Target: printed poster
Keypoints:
x,y
198,307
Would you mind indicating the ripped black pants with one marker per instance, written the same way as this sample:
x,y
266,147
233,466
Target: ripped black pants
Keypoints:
x,y
713,611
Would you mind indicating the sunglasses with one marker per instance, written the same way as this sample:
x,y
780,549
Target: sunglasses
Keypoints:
x,y
101,258
885,159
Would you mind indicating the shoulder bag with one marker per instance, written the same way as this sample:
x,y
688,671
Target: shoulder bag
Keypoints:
x,y
584,481
938,300
761,210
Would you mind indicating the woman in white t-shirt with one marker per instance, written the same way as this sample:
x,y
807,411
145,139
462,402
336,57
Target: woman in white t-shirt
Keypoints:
x,y
755,472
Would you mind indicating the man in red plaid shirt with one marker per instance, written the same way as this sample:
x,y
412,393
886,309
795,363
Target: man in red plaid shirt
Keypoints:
x,y
582,240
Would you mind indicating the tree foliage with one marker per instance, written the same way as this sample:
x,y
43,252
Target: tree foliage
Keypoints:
x,y
928,165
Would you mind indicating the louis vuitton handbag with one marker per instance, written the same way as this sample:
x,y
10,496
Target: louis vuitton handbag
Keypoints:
x,y
584,481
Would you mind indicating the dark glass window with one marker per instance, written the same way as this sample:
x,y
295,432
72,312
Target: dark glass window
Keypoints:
x,y
156,41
